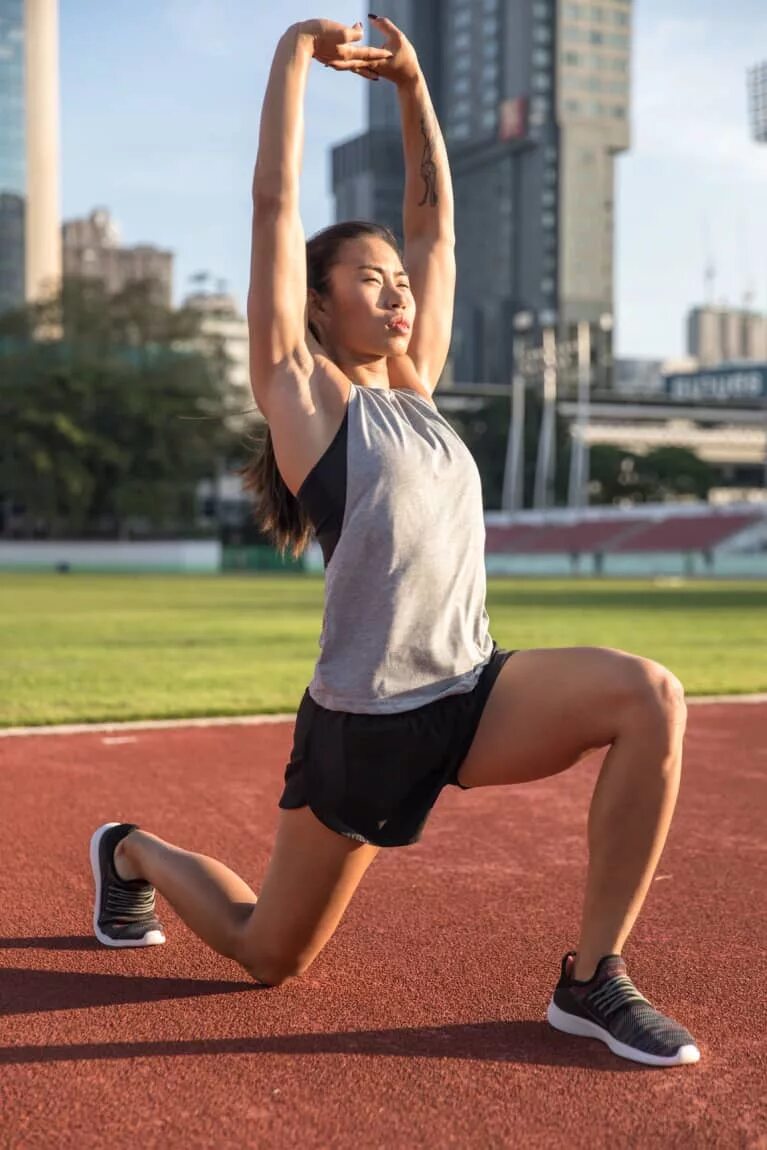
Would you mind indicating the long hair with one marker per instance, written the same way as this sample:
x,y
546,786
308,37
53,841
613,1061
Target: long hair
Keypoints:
x,y
277,511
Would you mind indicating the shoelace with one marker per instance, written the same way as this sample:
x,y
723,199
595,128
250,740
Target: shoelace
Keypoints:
x,y
127,903
615,993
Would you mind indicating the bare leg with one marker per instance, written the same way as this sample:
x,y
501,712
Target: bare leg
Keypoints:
x,y
550,708
311,877
211,899
629,819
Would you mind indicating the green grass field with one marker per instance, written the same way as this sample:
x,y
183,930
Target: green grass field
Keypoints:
x,y
85,648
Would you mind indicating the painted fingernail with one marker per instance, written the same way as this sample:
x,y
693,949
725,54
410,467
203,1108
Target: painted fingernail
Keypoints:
x,y
372,16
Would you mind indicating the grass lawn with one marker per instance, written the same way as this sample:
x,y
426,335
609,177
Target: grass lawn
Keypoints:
x,y
79,648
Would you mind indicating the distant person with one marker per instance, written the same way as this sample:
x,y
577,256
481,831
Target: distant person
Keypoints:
x,y
348,338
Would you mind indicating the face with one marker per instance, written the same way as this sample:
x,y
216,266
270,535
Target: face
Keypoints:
x,y
369,290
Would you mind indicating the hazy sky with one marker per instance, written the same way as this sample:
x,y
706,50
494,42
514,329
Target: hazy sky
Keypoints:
x,y
160,113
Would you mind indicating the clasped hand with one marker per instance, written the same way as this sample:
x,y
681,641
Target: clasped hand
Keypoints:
x,y
337,46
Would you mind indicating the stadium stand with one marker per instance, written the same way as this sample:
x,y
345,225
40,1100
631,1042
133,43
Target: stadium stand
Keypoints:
x,y
650,540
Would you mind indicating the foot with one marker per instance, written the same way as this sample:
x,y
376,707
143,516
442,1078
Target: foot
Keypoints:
x,y
609,1007
123,911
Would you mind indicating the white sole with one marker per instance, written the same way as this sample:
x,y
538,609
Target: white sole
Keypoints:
x,y
151,938
571,1024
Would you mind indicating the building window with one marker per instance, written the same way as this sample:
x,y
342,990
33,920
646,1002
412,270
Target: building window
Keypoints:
x,y
541,57
541,82
462,40
573,106
541,34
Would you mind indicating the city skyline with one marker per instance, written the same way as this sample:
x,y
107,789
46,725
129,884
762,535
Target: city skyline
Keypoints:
x,y
174,106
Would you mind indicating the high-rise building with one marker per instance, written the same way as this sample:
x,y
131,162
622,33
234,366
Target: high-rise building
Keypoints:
x,y
533,100
30,246
91,250
757,100
717,335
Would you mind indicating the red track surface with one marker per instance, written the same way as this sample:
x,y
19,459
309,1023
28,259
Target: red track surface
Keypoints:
x,y
422,1022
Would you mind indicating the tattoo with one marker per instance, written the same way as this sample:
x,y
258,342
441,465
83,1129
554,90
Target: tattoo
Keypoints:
x,y
428,167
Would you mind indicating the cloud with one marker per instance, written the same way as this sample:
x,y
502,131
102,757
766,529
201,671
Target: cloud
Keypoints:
x,y
690,97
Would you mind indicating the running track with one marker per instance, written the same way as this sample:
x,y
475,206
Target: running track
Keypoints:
x,y
421,1024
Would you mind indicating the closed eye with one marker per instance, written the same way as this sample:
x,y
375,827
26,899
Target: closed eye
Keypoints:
x,y
371,280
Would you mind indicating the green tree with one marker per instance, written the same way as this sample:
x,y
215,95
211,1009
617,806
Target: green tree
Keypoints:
x,y
109,427
665,473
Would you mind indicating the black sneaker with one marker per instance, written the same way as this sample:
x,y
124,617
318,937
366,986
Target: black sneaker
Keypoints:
x,y
609,1007
123,912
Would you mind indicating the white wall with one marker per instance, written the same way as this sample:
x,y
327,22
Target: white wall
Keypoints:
x,y
174,555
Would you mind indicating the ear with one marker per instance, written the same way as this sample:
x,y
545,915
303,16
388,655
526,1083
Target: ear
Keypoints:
x,y
315,347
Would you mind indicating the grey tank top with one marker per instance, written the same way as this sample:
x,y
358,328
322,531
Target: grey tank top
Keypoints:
x,y
396,505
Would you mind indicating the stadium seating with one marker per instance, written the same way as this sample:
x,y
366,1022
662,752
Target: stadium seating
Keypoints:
x,y
673,533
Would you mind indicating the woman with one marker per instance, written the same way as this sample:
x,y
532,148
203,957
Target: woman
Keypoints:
x,y
410,693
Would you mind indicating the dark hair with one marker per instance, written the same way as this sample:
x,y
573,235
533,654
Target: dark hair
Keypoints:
x,y
277,511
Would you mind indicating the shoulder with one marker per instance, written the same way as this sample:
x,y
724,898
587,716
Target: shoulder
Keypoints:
x,y
403,376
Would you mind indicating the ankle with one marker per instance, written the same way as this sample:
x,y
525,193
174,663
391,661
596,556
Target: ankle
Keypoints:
x,y
124,859
583,969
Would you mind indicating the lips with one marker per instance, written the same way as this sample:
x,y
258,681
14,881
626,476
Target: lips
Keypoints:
x,y
398,325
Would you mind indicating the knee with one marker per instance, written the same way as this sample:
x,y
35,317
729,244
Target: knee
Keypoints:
x,y
269,966
658,694
270,971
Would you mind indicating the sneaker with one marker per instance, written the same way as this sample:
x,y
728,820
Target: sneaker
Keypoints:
x,y
123,912
609,1007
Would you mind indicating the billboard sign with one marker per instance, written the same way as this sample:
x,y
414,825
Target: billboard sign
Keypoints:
x,y
748,382
512,120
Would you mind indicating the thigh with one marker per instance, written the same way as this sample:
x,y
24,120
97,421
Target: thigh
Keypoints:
x,y
549,708
311,877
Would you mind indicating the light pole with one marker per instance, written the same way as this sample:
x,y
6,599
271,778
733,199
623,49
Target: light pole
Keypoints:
x,y
546,462
577,488
514,470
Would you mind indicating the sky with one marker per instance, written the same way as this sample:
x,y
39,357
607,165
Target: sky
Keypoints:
x,y
160,109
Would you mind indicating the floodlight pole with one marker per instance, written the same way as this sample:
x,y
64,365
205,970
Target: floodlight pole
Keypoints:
x,y
546,462
514,469
577,495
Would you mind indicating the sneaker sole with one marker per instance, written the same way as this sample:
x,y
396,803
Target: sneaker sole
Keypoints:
x,y
151,938
571,1024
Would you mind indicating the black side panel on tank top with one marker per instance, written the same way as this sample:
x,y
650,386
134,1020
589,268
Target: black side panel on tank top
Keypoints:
x,y
323,493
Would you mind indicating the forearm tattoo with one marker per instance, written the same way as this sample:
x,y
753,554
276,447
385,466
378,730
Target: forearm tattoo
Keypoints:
x,y
428,167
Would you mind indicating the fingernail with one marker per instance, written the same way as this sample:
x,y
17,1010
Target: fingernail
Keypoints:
x,y
372,16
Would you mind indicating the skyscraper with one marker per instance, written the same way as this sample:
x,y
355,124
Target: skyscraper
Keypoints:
x,y
533,99
30,243
757,100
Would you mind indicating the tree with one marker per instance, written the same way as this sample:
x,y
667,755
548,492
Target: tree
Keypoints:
x,y
110,427
665,473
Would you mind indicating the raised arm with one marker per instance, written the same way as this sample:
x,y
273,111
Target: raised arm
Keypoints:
x,y
277,293
427,210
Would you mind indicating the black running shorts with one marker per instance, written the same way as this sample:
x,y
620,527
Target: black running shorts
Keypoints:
x,y
375,778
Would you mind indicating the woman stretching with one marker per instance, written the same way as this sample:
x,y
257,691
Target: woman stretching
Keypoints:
x,y
348,338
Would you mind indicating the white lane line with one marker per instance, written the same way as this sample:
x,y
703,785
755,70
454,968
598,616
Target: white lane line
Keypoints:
x,y
148,725
258,720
